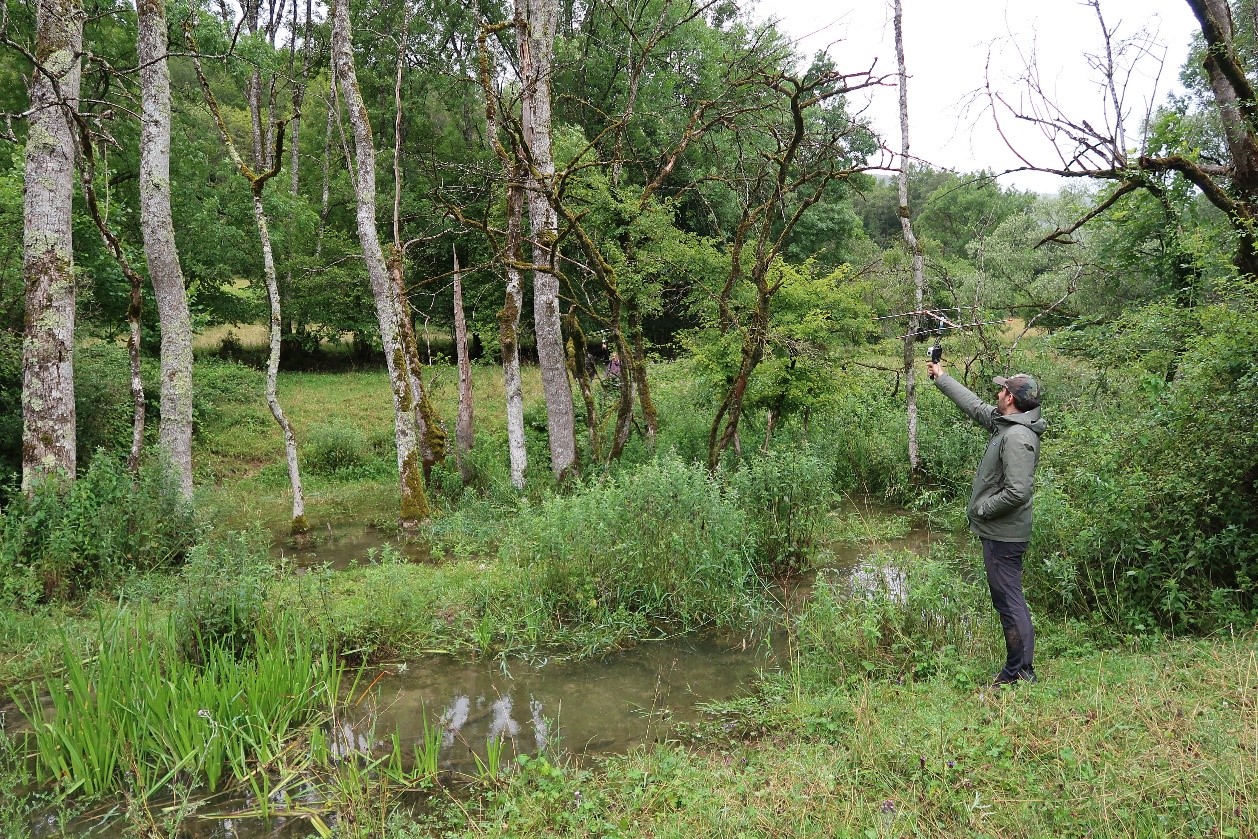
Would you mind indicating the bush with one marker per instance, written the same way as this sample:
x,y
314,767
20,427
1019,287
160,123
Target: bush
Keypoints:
x,y
61,540
661,542
224,591
333,448
785,497
1154,504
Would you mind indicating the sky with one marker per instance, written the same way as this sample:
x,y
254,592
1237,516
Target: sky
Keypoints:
x,y
951,54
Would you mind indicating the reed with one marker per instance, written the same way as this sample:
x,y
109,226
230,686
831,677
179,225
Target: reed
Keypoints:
x,y
137,707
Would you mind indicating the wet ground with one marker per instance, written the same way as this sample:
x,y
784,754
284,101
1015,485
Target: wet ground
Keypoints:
x,y
572,710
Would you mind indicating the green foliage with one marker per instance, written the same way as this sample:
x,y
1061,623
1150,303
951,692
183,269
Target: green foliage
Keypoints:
x,y
661,542
1145,532
338,449
785,498
61,541
898,617
223,595
136,713
860,435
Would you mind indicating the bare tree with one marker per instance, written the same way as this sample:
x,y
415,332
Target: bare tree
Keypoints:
x,y
158,231
911,244
48,413
362,157
510,246
1102,151
463,434
257,185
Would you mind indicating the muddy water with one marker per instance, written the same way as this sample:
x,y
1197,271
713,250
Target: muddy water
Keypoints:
x,y
608,705
342,547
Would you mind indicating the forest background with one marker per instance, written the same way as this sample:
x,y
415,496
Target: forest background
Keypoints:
x,y
669,182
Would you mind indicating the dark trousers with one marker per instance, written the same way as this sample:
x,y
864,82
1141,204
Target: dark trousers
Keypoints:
x,y
1003,561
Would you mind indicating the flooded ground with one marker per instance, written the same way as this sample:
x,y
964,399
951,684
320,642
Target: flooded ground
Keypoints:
x,y
567,710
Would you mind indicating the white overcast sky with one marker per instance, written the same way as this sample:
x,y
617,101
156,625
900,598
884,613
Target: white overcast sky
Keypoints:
x,y
952,47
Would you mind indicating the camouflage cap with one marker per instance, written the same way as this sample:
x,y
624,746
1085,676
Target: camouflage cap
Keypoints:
x,y
1025,389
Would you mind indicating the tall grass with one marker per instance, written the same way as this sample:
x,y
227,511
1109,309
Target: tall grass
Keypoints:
x,y
136,708
899,616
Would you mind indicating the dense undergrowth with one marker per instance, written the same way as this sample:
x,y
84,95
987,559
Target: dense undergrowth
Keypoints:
x,y
878,725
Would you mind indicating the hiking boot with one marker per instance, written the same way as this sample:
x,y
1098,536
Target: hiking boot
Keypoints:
x,y
1003,678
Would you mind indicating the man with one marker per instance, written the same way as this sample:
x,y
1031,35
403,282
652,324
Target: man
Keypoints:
x,y
1000,502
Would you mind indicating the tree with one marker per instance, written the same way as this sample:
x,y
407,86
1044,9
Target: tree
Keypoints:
x,y
535,22
1228,181
913,247
158,230
362,158
48,412
298,523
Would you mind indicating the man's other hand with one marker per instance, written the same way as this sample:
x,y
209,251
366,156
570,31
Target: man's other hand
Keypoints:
x,y
933,368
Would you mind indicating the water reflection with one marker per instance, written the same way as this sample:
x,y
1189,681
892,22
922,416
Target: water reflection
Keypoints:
x,y
581,708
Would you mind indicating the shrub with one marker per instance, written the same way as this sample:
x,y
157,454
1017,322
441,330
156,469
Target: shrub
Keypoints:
x,y
785,497
333,448
661,542
62,540
224,591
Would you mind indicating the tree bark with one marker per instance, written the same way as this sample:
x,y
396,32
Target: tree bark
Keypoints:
x,y
463,430
509,331
414,506
48,415
914,249
158,231
299,524
535,32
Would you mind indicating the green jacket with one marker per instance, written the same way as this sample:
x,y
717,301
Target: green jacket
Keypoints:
x,y
1000,501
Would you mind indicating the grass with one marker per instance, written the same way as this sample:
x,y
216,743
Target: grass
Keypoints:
x,y
1159,742
881,728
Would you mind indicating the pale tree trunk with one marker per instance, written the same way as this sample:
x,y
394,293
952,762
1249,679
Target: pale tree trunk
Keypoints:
x,y
535,33
257,182
414,507
463,430
48,416
158,232
914,248
432,439
299,523
509,331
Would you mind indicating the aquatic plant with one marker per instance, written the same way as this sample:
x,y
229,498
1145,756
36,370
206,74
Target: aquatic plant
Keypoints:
x,y
136,706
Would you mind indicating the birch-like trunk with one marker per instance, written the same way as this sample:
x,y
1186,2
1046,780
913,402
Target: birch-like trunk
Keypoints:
x,y
914,249
535,34
414,507
299,523
48,416
158,232
509,331
463,430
